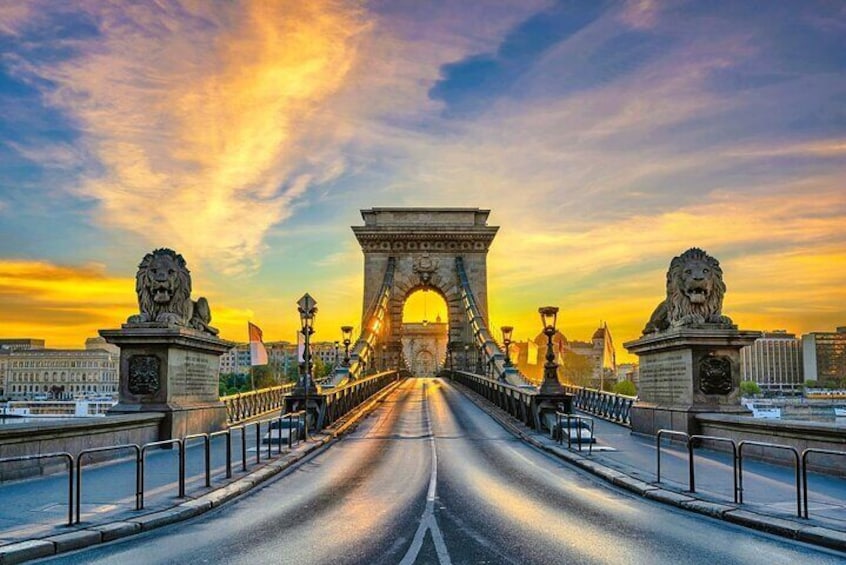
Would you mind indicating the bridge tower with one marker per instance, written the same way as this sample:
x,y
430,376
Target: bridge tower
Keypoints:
x,y
419,248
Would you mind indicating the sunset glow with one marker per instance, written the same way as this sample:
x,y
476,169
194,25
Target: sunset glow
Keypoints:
x,y
604,137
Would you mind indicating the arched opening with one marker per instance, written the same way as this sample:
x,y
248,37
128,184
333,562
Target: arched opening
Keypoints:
x,y
425,331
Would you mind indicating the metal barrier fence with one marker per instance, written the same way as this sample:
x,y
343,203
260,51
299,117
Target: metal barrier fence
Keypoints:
x,y
805,469
518,402
800,463
67,456
84,452
75,464
793,450
691,443
247,405
337,402
606,405
559,416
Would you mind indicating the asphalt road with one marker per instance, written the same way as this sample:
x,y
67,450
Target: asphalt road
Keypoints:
x,y
430,478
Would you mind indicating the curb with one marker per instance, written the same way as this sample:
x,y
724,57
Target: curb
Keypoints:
x,y
22,551
816,535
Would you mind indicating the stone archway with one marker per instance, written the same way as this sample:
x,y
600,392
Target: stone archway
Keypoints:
x,y
424,244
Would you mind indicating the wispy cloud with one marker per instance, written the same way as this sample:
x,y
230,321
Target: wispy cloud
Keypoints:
x,y
196,113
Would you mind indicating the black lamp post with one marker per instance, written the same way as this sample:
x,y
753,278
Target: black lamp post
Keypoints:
x,y
506,341
347,333
307,308
467,357
550,384
337,345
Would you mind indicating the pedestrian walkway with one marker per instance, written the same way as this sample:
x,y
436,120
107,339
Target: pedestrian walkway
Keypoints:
x,y
767,488
38,507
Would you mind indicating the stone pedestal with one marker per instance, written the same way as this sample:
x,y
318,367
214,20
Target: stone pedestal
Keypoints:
x,y
687,371
173,370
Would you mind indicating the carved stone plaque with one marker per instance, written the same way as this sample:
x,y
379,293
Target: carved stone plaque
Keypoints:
x,y
715,375
144,374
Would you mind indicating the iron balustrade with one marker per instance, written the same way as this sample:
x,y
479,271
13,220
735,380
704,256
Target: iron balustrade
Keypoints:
x,y
517,401
142,463
248,405
62,454
792,449
658,450
805,454
560,431
206,453
606,405
228,434
337,402
84,452
691,445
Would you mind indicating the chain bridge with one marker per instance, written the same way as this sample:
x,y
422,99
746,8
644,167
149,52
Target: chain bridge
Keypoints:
x,y
370,466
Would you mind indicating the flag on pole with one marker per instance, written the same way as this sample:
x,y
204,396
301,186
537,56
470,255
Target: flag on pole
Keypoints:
x,y
258,353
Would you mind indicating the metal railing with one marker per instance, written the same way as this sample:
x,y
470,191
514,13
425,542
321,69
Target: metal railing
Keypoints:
x,y
800,463
690,460
519,402
658,450
247,405
789,448
805,469
180,444
63,454
606,405
84,452
560,431
339,401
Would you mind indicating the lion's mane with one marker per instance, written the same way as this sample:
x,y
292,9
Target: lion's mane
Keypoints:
x,y
680,305
180,303
678,309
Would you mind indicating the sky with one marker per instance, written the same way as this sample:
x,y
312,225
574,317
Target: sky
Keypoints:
x,y
605,138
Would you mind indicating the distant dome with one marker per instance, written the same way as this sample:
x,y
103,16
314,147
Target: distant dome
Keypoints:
x,y
599,333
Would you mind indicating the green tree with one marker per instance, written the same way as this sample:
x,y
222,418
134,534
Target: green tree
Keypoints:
x,y
625,387
576,369
750,388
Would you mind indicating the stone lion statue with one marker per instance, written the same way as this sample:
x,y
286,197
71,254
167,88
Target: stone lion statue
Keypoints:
x,y
163,284
695,290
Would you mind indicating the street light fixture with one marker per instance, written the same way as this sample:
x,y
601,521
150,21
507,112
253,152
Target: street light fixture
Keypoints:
x,y
347,334
467,357
307,308
549,317
337,345
506,341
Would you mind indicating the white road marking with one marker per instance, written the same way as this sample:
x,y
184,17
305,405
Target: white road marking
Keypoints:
x,y
428,521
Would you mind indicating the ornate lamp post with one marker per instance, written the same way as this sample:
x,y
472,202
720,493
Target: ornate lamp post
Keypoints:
x,y
347,333
337,345
506,341
550,384
307,308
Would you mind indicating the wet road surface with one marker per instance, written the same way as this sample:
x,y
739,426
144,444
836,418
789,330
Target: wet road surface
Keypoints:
x,y
430,478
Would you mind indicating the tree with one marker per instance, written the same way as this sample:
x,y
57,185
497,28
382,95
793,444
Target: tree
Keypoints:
x,y
750,388
625,387
576,369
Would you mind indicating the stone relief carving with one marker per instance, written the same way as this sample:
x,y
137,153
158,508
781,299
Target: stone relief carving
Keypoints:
x,y
425,266
715,375
144,374
163,285
695,290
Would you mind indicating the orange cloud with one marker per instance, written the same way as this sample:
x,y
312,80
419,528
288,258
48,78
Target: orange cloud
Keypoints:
x,y
206,112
